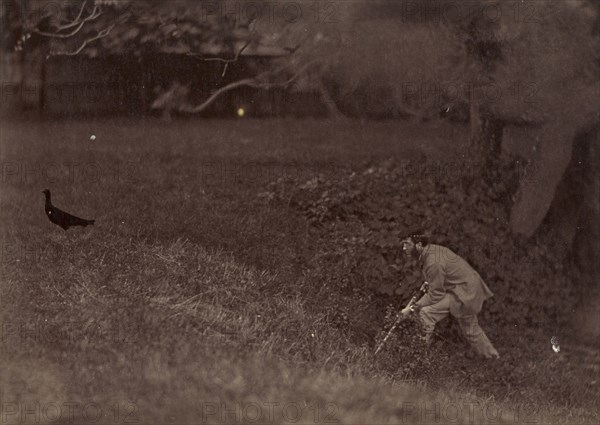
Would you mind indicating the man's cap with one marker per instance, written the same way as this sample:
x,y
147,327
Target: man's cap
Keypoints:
x,y
417,236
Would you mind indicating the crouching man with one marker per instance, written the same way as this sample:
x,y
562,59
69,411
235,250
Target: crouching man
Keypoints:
x,y
454,288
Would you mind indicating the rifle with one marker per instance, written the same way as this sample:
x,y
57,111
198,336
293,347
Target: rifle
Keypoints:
x,y
424,288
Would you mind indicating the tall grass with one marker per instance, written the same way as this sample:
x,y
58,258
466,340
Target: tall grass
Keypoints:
x,y
187,301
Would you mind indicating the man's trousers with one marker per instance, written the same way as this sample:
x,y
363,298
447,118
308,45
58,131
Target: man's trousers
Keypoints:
x,y
469,325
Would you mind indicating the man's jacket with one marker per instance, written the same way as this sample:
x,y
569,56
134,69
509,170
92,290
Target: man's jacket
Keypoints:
x,y
446,272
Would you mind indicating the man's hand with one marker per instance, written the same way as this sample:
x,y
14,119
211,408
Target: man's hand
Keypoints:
x,y
409,307
406,311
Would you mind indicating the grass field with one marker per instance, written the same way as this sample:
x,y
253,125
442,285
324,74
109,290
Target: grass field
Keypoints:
x,y
184,303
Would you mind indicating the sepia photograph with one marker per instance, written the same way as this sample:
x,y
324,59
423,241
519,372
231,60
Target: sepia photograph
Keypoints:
x,y
358,212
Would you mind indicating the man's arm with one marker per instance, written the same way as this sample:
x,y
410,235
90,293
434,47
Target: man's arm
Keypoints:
x,y
435,276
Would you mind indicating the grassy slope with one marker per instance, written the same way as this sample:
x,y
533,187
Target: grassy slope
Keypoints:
x,y
184,293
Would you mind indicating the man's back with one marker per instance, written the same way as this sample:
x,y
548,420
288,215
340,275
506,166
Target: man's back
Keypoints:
x,y
448,272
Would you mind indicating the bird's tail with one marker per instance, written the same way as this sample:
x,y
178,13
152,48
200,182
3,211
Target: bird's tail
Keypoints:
x,y
89,222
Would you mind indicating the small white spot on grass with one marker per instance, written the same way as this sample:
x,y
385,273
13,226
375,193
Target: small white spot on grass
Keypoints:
x,y
93,137
555,345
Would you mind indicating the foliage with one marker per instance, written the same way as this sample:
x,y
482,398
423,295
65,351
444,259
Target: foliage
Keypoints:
x,y
517,61
134,27
526,67
406,355
363,215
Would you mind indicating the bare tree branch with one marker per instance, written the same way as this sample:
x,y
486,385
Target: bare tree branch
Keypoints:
x,y
237,56
327,99
234,59
293,50
227,61
246,82
81,10
101,34
79,25
76,21
298,73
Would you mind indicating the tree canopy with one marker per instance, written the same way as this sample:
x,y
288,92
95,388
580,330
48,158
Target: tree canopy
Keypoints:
x,y
531,63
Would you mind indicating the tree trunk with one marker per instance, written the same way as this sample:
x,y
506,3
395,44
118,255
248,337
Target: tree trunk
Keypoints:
x,y
486,140
572,222
326,98
11,70
32,84
536,191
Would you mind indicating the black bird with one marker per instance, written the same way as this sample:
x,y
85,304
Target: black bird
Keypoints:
x,y
61,218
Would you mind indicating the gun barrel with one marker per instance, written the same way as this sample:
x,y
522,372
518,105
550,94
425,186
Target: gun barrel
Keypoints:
x,y
413,300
